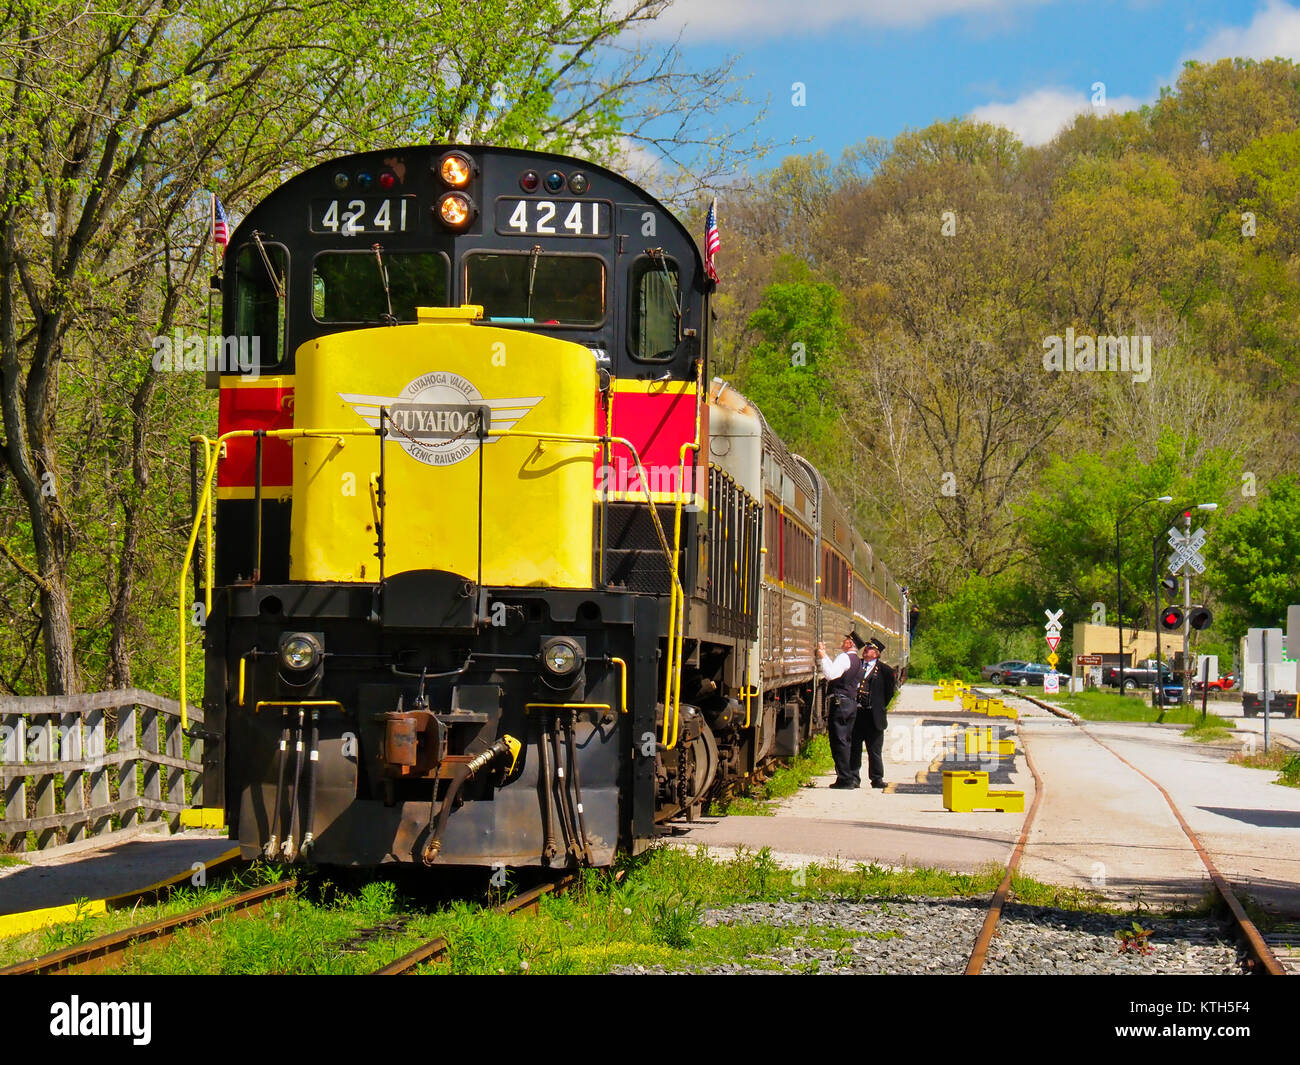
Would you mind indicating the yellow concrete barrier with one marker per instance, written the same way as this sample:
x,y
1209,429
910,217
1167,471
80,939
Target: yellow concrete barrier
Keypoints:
x,y
203,817
965,792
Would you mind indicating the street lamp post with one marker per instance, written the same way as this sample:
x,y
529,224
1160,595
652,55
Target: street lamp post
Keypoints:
x,y
1119,581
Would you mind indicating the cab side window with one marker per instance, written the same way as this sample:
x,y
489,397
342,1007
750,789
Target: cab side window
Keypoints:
x,y
261,281
655,306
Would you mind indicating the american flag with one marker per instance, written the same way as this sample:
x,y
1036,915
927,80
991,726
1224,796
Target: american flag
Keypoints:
x,y
220,224
712,242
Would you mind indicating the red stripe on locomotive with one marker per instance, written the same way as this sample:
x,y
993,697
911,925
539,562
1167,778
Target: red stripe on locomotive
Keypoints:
x,y
657,425
255,408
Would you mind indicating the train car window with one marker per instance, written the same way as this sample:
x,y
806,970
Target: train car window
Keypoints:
x,y
655,307
348,286
542,288
260,284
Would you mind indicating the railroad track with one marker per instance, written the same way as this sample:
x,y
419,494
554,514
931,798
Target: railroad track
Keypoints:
x,y
1260,958
109,950
437,949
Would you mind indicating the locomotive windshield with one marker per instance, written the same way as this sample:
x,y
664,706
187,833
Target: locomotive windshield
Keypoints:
x,y
365,286
554,289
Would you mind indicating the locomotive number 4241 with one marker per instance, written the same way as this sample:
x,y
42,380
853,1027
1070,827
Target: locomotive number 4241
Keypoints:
x,y
358,216
553,218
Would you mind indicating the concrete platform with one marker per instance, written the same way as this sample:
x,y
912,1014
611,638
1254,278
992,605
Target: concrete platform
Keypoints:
x,y
905,825
103,867
1100,826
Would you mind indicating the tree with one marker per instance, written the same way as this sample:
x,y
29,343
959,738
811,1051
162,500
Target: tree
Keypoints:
x,y
117,121
1255,559
790,370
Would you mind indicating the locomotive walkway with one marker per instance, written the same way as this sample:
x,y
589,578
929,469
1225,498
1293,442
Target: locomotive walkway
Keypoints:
x,y
1101,826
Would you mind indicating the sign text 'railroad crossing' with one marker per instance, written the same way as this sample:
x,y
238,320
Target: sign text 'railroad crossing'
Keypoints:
x,y
1187,551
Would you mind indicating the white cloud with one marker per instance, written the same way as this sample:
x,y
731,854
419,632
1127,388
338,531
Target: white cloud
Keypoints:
x,y
729,19
1038,116
1274,31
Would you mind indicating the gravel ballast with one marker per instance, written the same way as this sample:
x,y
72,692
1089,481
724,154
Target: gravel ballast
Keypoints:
x,y
923,935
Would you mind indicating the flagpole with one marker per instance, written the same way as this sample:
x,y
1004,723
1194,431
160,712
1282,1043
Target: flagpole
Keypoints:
x,y
216,260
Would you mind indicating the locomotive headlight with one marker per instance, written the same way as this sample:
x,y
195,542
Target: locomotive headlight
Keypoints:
x,y
562,658
456,169
455,210
300,652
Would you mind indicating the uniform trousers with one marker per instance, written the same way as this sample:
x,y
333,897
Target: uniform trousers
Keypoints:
x,y
840,727
865,731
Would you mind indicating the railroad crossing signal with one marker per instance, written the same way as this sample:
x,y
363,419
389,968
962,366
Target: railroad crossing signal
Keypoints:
x,y
1053,628
1199,617
1187,551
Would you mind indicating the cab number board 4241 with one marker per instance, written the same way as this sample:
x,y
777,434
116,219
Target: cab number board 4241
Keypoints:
x,y
363,215
553,218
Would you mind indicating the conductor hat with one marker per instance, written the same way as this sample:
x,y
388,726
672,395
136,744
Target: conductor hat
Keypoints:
x,y
873,642
857,640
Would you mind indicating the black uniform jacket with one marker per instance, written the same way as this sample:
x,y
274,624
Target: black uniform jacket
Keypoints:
x,y
876,692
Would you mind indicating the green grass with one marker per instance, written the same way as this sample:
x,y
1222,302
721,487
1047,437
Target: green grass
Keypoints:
x,y
653,917
1111,706
1282,761
87,926
10,859
813,761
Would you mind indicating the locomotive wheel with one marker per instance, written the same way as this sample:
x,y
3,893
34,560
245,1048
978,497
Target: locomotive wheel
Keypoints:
x,y
704,756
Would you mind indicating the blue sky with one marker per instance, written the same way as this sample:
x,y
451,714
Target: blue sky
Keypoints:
x,y
876,67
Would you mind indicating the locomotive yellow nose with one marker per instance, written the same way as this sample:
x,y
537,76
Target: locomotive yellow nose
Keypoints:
x,y
466,481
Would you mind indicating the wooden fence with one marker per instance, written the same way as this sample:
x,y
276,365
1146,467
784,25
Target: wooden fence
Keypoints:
x,y
77,766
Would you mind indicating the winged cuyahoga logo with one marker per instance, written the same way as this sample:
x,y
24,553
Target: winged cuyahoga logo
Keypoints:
x,y
437,417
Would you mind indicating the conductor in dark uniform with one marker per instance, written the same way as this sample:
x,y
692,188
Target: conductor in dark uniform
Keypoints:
x,y
843,674
875,691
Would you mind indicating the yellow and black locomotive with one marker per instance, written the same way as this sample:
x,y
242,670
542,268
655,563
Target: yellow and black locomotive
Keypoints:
x,y
500,576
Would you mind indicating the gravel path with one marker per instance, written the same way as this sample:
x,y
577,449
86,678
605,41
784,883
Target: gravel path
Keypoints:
x,y
919,935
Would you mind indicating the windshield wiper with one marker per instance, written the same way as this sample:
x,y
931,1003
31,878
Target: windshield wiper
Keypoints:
x,y
533,256
276,280
383,277
659,255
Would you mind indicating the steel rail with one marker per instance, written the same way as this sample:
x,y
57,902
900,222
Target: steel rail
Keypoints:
x,y
98,954
437,949
979,953
1260,958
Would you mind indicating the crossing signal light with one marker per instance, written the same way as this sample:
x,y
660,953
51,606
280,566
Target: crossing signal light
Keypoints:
x,y
1169,584
1171,618
1200,617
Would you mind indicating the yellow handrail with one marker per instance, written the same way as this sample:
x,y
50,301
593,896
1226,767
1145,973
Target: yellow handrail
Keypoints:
x,y
212,455
677,616
622,685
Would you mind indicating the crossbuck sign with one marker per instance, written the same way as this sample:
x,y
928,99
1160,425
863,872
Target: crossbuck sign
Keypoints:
x,y
1053,628
1187,551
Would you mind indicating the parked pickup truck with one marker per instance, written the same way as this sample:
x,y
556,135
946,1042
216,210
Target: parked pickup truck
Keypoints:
x,y
1142,675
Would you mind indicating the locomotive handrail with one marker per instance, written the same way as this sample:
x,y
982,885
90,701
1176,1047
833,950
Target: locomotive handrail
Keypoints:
x,y
213,450
677,597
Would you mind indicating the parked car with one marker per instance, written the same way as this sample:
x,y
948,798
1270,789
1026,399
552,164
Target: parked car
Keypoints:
x,y
1224,684
1168,695
1030,673
1142,675
998,672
